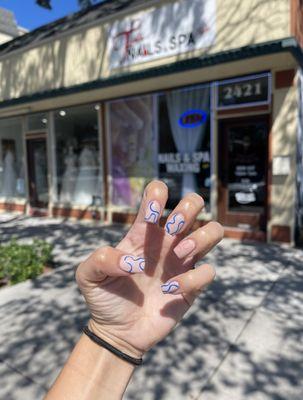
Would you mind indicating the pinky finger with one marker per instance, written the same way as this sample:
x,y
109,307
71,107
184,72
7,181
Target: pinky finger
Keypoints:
x,y
190,283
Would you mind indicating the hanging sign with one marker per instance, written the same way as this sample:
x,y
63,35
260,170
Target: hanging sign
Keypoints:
x,y
192,118
246,91
168,30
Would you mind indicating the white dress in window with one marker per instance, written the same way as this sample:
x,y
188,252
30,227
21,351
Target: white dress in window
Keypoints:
x,y
69,178
9,176
87,177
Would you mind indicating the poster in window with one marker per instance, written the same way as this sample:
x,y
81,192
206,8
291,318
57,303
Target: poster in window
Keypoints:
x,y
133,149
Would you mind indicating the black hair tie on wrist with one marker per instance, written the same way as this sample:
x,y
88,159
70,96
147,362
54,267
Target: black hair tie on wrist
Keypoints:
x,y
112,349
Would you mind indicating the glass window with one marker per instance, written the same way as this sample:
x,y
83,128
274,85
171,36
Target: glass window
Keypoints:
x,y
79,174
12,176
246,166
37,122
133,143
184,142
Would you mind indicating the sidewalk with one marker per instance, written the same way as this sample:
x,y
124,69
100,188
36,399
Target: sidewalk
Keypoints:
x,y
242,339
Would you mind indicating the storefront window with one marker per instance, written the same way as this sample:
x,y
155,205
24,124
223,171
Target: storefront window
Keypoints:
x,y
12,177
37,122
79,174
184,142
133,143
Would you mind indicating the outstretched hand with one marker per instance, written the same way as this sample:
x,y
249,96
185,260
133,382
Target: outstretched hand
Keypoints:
x,y
138,291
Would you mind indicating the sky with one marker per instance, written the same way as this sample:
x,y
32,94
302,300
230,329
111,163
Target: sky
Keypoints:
x,y
29,15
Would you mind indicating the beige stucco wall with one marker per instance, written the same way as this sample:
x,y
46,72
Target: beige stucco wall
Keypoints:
x,y
284,130
81,57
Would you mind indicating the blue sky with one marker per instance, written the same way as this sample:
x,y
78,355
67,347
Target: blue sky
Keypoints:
x,y
29,15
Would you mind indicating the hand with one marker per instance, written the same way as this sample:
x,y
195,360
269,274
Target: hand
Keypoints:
x,y
138,291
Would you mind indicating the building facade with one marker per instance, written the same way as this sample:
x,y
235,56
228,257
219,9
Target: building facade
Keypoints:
x,y
202,94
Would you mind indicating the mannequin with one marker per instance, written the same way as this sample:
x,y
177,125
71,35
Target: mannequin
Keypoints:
x,y
9,175
69,177
87,176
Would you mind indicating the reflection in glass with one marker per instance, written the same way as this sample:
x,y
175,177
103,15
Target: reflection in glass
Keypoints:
x,y
247,149
12,182
37,122
79,173
39,168
133,148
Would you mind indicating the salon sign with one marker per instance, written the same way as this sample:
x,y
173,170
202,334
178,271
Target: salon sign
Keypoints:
x,y
174,28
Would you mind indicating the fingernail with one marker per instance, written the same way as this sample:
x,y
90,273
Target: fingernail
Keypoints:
x,y
184,248
175,224
132,264
170,287
152,213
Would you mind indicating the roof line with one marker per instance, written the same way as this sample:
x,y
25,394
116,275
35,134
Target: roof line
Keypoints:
x,y
256,50
131,7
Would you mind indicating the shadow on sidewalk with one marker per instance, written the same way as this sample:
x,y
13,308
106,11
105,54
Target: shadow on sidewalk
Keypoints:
x,y
42,319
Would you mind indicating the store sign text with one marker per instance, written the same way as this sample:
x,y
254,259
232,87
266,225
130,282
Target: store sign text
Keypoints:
x,y
138,38
184,163
192,118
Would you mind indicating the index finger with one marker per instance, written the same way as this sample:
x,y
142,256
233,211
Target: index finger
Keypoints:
x,y
153,202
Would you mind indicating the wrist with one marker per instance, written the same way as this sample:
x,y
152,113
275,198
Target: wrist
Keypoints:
x,y
103,332
91,373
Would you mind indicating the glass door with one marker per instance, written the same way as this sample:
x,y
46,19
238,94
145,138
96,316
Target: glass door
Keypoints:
x,y
243,154
37,171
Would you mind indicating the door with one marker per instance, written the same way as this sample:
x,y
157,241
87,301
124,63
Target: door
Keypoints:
x,y
243,154
37,171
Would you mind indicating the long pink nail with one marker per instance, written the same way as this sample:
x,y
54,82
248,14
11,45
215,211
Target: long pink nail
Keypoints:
x,y
152,213
184,248
132,264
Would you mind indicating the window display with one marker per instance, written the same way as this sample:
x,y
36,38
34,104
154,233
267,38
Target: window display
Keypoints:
x,y
133,144
184,142
79,172
37,122
12,181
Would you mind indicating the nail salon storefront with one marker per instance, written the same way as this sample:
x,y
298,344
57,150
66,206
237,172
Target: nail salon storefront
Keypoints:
x,y
96,105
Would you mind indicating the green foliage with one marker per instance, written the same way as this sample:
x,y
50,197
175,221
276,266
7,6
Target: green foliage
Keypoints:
x,y
19,262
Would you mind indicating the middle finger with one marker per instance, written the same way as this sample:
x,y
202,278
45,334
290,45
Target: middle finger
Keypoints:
x,y
184,215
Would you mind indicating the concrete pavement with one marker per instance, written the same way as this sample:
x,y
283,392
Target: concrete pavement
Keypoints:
x,y
242,339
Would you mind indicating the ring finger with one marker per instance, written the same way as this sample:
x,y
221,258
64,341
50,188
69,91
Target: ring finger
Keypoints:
x,y
200,242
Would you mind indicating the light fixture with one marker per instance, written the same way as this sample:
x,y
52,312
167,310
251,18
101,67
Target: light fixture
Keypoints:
x,y
44,120
97,107
62,113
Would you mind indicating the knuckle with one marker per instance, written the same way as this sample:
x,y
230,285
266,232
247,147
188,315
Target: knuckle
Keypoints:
x,y
218,229
196,198
102,254
156,188
210,271
78,274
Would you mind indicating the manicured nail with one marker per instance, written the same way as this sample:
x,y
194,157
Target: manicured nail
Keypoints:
x,y
184,248
170,287
175,224
152,213
132,264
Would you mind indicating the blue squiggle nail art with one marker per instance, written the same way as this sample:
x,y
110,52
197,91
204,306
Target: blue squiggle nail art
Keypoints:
x,y
152,214
178,224
170,287
133,263
142,264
